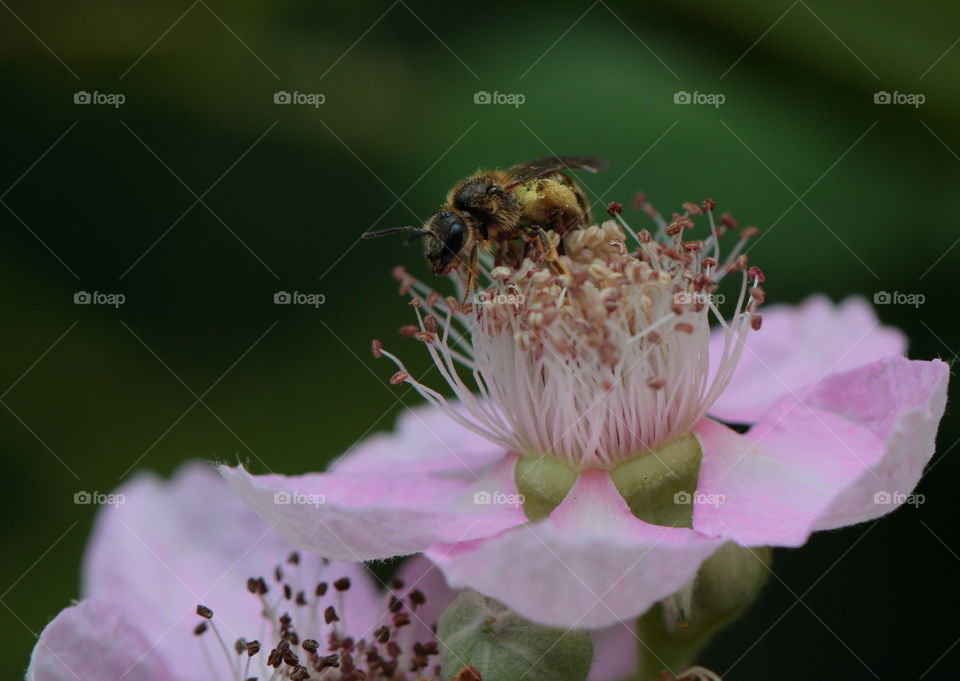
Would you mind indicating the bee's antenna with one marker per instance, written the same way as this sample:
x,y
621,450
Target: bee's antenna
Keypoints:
x,y
419,235
393,230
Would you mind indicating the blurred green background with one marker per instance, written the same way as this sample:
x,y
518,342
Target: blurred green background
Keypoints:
x,y
199,197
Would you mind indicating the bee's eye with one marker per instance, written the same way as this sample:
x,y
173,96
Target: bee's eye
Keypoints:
x,y
453,239
448,236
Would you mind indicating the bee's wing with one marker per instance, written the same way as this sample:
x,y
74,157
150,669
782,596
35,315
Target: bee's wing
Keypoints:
x,y
528,170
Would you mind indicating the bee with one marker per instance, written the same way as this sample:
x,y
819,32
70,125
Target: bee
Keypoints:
x,y
490,208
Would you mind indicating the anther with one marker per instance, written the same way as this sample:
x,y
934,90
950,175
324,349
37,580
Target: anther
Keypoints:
x,y
614,208
678,225
253,647
294,558
755,322
321,589
417,597
467,673
425,336
275,658
200,628
401,619
329,661
204,612
399,377
342,584
330,615
310,645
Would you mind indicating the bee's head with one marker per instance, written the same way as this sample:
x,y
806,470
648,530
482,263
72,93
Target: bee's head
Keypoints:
x,y
446,234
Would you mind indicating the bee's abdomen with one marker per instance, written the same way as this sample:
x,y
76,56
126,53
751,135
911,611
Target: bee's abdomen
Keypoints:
x,y
582,203
554,202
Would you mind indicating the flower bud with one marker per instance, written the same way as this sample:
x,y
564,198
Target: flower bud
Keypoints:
x,y
502,646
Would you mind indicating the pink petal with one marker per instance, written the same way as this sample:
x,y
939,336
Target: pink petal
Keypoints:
x,y
818,464
616,652
797,346
590,564
93,641
379,513
425,440
421,573
173,545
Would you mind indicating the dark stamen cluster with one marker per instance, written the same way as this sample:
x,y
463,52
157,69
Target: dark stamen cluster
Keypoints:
x,y
341,658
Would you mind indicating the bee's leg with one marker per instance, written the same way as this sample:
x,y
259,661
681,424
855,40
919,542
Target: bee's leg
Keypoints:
x,y
560,223
472,265
547,251
502,255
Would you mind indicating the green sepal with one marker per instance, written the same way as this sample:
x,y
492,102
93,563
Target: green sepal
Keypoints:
x,y
659,485
503,646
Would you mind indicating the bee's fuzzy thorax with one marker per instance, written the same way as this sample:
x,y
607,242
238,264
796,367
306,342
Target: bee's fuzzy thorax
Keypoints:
x,y
598,365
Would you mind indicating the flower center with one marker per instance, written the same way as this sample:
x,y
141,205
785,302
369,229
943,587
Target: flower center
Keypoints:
x,y
600,365
306,628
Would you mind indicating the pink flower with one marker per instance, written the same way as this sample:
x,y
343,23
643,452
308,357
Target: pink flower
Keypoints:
x,y
173,546
587,391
